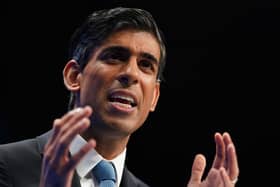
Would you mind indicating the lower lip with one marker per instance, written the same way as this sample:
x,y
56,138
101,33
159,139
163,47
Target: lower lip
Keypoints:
x,y
117,107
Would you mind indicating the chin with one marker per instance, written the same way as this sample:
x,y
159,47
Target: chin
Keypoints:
x,y
123,126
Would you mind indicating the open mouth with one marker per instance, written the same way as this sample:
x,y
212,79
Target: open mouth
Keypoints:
x,y
122,99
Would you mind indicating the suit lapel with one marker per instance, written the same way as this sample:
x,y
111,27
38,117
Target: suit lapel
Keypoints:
x,y
76,180
127,179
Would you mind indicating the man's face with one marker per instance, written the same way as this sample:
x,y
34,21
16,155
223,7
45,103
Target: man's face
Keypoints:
x,y
120,81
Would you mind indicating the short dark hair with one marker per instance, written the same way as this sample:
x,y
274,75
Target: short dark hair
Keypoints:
x,y
102,23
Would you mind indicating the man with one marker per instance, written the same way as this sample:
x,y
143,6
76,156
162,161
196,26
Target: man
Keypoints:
x,y
116,61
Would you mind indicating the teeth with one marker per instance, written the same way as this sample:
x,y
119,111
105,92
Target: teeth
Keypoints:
x,y
129,99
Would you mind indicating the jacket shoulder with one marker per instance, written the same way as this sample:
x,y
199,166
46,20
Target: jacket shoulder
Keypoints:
x,y
20,162
16,147
31,146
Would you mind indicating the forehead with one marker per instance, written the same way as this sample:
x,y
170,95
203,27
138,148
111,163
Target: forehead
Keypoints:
x,y
136,41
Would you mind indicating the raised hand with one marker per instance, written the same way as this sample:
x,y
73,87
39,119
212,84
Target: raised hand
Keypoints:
x,y
224,170
58,167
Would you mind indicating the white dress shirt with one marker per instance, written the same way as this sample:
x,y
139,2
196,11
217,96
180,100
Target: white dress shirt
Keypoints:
x,y
90,160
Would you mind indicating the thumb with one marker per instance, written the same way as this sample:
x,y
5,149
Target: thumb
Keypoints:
x,y
198,168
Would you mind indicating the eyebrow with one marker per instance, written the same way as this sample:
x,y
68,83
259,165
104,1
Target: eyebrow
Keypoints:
x,y
124,50
150,57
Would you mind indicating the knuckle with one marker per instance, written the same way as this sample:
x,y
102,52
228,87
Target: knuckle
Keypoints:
x,y
85,121
84,150
62,144
57,124
47,157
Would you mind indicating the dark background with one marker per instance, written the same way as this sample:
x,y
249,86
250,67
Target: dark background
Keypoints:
x,y
221,75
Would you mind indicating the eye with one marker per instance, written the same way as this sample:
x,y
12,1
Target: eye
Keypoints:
x,y
114,55
147,65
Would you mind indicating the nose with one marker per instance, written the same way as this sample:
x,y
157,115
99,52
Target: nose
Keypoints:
x,y
129,74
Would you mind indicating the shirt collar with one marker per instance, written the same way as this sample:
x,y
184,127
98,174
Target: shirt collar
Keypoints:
x,y
92,158
119,165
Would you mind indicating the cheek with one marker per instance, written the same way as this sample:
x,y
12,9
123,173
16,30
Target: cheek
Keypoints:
x,y
93,86
92,78
89,85
150,90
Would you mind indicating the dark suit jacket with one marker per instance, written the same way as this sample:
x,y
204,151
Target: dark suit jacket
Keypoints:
x,y
20,165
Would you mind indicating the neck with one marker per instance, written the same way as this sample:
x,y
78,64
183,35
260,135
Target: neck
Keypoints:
x,y
108,145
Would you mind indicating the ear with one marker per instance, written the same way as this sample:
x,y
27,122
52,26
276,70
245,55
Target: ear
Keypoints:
x,y
71,75
155,97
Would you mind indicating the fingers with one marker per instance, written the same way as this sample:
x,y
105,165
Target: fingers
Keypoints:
x,y
224,169
220,151
65,129
58,167
213,178
198,168
225,178
62,175
60,126
218,178
232,163
62,146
